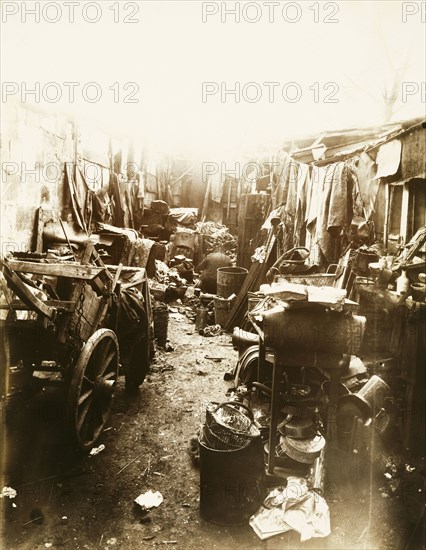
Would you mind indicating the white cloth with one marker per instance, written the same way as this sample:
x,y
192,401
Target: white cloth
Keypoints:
x,y
294,507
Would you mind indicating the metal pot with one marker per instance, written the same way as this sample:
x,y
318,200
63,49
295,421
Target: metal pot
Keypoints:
x,y
303,450
298,428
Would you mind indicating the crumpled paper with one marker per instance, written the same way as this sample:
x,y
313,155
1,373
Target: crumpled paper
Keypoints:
x,y
96,450
8,492
149,500
294,507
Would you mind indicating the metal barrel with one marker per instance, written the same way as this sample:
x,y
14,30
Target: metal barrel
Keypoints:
x,y
222,307
230,280
232,483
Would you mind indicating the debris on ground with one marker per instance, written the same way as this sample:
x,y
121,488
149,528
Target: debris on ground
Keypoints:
x,y
36,516
149,500
96,450
294,507
212,330
217,236
194,450
8,492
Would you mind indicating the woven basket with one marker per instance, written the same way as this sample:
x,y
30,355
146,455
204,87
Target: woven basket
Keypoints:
x,y
227,427
214,442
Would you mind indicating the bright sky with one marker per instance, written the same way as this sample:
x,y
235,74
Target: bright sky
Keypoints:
x,y
169,52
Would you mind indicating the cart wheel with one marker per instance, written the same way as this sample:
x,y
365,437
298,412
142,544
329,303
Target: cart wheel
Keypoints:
x,y
138,363
92,388
140,355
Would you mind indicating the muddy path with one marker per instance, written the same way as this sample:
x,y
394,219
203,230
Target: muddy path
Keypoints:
x,y
68,501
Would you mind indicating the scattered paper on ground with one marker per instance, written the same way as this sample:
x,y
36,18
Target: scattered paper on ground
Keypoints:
x,y
149,500
97,450
8,492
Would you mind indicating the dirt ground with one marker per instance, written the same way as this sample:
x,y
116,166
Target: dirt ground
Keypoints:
x,y
68,501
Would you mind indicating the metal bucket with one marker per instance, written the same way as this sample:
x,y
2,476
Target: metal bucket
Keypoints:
x,y
230,280
201,318
232,483
243,339
222,307
374,393
355,408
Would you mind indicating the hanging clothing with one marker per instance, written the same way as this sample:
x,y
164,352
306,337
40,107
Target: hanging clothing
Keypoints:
x,y
136,190
313,199
117,207
303,186
123,188
285,182
334,210
284,176
77,192
216,186
365,188
102,206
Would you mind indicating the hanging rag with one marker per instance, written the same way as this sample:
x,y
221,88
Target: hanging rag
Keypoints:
x,y
317,189
216,186
285,183
136,190
333,212
126,202
102,206
77,195
117,207
303,186
388,158
284,176
366,187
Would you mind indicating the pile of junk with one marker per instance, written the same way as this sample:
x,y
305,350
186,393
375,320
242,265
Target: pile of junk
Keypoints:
x,y
188,273
301,402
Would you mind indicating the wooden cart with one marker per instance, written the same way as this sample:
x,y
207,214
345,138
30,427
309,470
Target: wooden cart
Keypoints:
x,y
63,328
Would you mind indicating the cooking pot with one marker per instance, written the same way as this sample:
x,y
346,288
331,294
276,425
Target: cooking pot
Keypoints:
x,y
298,428
302,450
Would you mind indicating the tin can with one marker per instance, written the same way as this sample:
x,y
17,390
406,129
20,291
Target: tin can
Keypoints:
x,y
201,319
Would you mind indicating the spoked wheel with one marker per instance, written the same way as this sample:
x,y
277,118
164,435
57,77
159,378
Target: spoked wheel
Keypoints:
x,y
138,361
92,388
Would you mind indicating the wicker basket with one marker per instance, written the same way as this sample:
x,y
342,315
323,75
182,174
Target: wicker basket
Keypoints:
x,y
227,427
214,442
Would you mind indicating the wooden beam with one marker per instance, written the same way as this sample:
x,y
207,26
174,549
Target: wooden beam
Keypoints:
x,y
69,270
18,305
24,293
